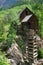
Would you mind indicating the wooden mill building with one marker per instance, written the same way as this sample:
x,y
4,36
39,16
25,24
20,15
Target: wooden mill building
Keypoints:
x,y
28,29
29,18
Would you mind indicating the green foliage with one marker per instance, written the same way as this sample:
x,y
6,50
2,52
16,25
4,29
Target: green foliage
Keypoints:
x,y
3,60
38,9
12,32
40,53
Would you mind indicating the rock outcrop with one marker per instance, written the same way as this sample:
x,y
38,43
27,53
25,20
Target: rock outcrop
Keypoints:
x,y
15,54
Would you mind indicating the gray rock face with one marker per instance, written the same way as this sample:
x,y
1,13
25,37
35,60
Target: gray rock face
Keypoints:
x,y
14,54
41,60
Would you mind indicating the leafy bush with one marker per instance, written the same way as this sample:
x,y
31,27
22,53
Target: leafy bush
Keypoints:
x,y
3,60
40,53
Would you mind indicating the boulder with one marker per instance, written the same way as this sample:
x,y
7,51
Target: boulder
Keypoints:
x,y
12,62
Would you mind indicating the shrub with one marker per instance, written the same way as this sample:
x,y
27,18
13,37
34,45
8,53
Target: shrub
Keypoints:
x,y
40,53
3,60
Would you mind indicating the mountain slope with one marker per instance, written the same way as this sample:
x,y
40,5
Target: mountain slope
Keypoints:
x,y
7,3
